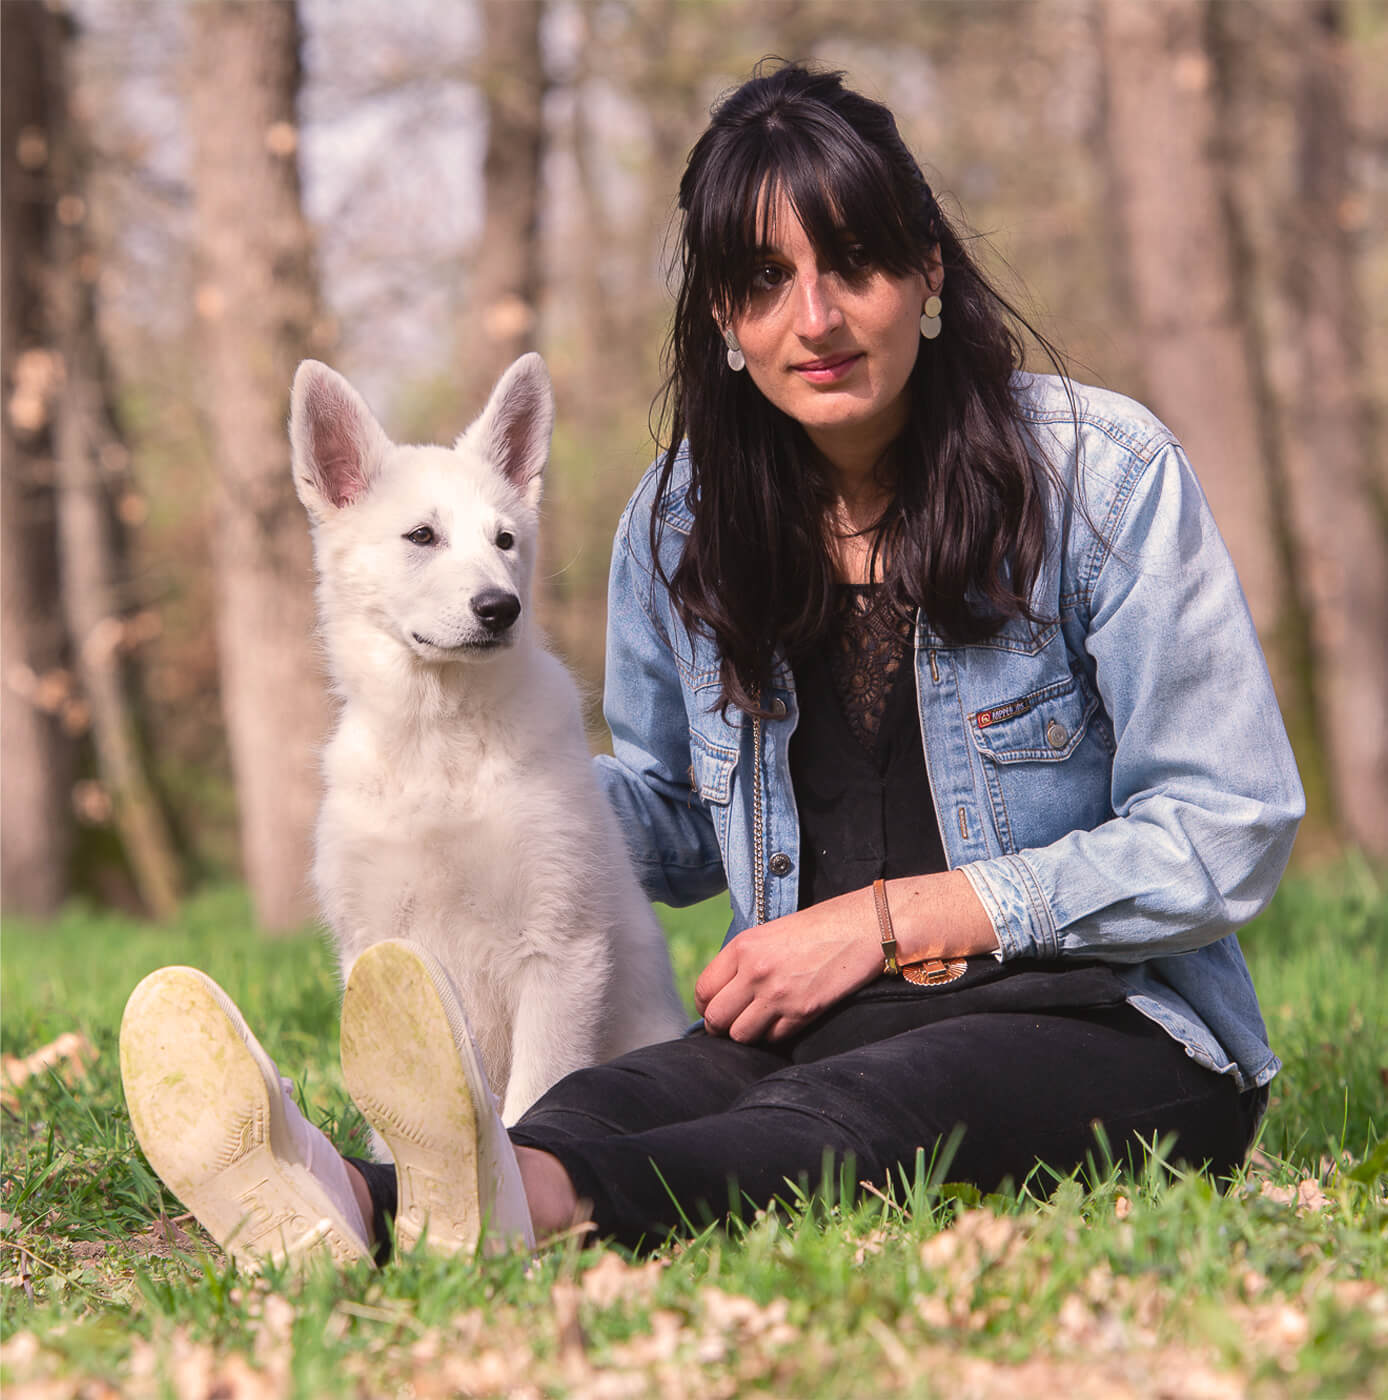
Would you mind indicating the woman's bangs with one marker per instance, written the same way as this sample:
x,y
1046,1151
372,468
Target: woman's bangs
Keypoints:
x,y
843,200
840,199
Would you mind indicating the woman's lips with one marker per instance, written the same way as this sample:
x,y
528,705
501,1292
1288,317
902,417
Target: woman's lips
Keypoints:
x,y
828,370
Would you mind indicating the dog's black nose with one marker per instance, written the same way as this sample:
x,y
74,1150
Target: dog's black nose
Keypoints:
x,y
496,609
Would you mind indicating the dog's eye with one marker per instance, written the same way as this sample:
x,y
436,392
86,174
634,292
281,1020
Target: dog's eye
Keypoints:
x,y
504,539
423,535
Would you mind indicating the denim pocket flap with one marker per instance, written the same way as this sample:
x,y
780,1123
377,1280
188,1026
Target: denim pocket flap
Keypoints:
x,y
712,771
1043,726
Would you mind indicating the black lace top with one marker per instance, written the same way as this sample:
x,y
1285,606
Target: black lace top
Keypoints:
x,y
868,645
856,759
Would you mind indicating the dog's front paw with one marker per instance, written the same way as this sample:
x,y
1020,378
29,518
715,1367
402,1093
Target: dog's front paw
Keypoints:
x,y
519,1097
513,1107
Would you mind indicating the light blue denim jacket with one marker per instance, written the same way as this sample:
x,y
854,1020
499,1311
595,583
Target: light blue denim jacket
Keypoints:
x,y
1115,784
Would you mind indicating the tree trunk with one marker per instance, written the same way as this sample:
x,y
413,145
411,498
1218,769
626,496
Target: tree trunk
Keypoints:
x,y
91,461
257,300
37,756
503,305
1343,555
1231,37
1162,145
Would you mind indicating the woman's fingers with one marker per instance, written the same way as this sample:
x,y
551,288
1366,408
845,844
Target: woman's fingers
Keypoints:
x,y
757,1022
729,1007
715,977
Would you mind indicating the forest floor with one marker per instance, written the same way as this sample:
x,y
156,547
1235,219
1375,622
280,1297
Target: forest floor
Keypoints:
x,y
1103,1285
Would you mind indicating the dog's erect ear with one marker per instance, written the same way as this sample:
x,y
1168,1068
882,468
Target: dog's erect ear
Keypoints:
x,y
338,446
513,431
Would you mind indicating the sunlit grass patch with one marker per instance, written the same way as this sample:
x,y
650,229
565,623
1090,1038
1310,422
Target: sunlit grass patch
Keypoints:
x,y
1153,1284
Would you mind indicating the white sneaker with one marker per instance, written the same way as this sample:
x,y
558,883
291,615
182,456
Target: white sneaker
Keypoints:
x,y
409,1062
223,1132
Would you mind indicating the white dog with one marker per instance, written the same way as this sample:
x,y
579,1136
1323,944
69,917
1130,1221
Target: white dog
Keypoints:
x,y
460,808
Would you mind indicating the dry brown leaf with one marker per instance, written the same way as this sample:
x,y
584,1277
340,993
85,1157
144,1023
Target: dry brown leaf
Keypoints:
x,y
939,1251
195,1369
1283,1195
613,1385
1075,1321
1201,1383
20,1351
274,1344
70,1054
669,1331
1285,1327
612,1278
1362,1293
934,1311
976,1242
1100,1285
564,1298
490,1372
732,1312
872,1243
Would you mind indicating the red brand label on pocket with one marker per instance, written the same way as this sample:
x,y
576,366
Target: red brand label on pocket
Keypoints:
x,y
1001,712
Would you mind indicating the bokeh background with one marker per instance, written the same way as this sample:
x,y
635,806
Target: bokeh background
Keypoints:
x,y
1188,196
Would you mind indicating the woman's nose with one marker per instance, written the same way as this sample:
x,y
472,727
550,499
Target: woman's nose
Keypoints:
x,y
817,312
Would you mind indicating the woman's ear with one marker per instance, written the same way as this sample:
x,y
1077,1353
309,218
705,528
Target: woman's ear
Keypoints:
x,y
934,270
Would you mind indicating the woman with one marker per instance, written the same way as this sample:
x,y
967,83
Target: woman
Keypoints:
x,y
942,669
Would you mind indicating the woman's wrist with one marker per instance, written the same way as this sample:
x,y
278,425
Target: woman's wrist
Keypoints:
x,y
934,916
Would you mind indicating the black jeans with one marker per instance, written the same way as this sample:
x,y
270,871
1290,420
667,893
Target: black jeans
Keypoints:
x,y
698,1128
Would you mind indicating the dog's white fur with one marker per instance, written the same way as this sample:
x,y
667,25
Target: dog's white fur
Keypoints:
x,y
460,808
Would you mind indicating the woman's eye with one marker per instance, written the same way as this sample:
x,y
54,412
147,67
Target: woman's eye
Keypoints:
x,y
423,534
767,278
504,539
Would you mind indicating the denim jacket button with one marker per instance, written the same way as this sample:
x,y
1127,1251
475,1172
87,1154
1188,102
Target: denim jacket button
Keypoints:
x,y
779,864
1057,736
778,708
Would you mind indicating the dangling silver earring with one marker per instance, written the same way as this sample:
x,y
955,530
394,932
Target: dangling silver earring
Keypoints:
x,y
736,359
930,317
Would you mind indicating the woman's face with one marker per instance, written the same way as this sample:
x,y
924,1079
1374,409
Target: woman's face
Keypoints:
x,y
832,350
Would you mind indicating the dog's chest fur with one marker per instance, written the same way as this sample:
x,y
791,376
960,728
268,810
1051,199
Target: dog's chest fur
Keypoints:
x,y
429,830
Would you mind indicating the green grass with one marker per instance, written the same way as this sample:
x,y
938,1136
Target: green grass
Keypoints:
x,y
1148,1286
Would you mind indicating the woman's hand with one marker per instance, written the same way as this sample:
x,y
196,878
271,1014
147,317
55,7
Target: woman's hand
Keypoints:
x,y
773,980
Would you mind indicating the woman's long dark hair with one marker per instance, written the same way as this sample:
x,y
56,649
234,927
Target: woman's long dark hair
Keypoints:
x,y
964,536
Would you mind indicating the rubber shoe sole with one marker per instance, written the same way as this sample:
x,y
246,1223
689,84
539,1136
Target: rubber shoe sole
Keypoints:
x,y
206,1105
410,1064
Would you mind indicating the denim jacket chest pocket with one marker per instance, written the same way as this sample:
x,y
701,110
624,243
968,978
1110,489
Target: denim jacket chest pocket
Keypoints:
x,y
712,770
1046,762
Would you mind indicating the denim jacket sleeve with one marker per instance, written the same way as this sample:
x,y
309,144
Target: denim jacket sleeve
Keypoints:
x,y
1204,790
667,824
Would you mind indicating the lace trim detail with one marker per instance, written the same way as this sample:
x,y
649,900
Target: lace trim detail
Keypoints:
x,y
868,644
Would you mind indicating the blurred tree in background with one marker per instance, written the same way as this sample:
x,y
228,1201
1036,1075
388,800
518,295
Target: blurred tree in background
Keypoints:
x,y
1191,192
69,465
258,314
35,746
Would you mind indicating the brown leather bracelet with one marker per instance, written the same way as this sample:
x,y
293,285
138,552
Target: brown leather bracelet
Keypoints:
x,y
890,966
